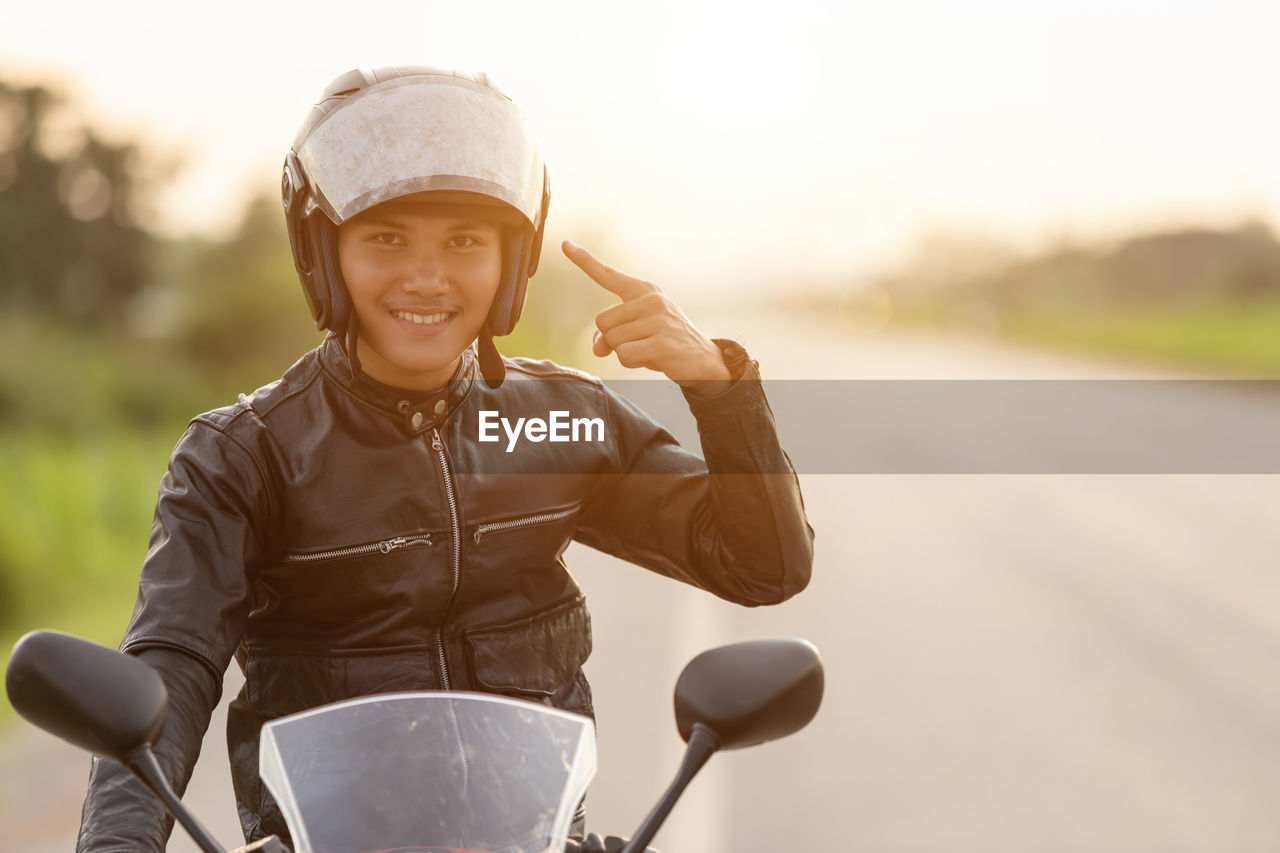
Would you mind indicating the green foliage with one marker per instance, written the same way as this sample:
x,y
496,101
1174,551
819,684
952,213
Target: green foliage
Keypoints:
x,y
243,319
74,517
1194,266
70,382
1223,335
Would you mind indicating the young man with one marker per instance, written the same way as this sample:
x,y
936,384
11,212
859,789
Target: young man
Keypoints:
x,y
353,529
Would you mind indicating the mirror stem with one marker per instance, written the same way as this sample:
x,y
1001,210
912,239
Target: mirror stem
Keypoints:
x,y
142,763
702,745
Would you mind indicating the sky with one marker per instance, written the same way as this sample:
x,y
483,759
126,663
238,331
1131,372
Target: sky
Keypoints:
x,y
722,144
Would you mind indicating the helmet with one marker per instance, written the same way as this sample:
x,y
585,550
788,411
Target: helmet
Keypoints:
x,y
378,134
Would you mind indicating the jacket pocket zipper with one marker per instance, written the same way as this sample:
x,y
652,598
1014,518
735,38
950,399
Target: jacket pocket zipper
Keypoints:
x,y
386,546
542,518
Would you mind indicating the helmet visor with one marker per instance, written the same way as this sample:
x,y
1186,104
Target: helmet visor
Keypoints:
x,y
422,134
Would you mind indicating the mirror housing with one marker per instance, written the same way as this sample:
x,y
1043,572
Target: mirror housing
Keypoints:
x,y
750,693
101,700
735,696
89,695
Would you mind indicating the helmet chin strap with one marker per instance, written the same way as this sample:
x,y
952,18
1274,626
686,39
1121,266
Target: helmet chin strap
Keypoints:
x,y
492,367
349,338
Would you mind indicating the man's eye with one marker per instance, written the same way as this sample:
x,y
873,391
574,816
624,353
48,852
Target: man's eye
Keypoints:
x,y
386,238
463,241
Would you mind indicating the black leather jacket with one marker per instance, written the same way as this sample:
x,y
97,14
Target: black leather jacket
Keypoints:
x,y
342,538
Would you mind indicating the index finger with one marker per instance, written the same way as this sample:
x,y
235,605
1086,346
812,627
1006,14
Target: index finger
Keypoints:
x,y
618,283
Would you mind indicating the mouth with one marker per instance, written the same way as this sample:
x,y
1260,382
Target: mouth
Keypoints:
x,y
423,319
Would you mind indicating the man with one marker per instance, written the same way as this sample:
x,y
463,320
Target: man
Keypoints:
x,y
348,530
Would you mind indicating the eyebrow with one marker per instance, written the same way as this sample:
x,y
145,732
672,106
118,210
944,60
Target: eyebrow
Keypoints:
x,y
391,220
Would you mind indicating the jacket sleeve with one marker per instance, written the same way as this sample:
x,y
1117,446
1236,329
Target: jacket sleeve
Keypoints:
x,y
193,601
122,816
733,524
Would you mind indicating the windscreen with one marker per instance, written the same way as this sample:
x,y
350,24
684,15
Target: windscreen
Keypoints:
x,y
429,771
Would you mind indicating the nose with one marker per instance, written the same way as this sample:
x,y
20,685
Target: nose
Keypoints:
x,y
424,273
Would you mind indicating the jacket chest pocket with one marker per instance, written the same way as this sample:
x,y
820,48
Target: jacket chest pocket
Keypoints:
x,y
382,546
550,518
356,595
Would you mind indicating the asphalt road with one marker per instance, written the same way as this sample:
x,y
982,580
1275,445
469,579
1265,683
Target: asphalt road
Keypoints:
x,y
1014,663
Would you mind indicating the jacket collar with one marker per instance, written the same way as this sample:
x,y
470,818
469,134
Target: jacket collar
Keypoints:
x,y
419,411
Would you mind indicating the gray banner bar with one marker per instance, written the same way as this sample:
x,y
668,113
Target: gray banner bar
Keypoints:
x,y
1009,426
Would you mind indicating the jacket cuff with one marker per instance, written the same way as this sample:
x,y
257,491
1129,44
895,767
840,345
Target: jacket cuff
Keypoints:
x,y
745,392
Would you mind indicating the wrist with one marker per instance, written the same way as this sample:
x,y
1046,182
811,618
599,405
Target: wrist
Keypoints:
x,y
724,369
715,384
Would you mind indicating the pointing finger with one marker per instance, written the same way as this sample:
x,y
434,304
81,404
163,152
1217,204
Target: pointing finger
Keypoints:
x,y
619,283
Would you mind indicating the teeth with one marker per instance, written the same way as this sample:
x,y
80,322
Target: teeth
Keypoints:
x,y
421,319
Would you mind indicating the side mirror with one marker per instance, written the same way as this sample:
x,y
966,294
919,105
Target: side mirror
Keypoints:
x,y
735,696
86,694
750,693
101,700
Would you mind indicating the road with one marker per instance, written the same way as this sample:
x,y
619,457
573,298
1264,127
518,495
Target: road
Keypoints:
x,y
1014,663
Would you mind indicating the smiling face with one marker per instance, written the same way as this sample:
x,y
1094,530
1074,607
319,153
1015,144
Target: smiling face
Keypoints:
x,y
421,279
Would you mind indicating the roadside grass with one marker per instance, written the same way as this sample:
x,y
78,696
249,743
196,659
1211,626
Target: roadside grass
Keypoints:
x,y
1238,338
74,523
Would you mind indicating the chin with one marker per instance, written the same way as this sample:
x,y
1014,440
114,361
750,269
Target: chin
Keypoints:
x,y
400,366
428,365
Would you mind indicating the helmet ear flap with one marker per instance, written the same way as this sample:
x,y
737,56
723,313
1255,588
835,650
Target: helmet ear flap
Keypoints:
x,y
309,262
304,240
313,239
331,282
535,251
520,253
509,300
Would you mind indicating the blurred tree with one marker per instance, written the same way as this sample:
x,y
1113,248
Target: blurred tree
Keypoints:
x,y
1193,266
70,243
243,318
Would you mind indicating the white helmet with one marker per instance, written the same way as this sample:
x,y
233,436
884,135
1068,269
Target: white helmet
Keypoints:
x,y
378,134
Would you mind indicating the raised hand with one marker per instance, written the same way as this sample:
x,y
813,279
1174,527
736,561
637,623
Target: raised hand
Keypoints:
x,y
647,329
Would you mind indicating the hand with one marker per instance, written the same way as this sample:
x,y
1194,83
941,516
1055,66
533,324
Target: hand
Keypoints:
x,y
647,329
595,844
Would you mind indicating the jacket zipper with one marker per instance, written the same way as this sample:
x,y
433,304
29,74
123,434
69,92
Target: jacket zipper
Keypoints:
x,y
386,546
541,518
455,532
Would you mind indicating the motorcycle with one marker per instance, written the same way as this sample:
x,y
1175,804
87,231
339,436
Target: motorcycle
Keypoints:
x,y
422,772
